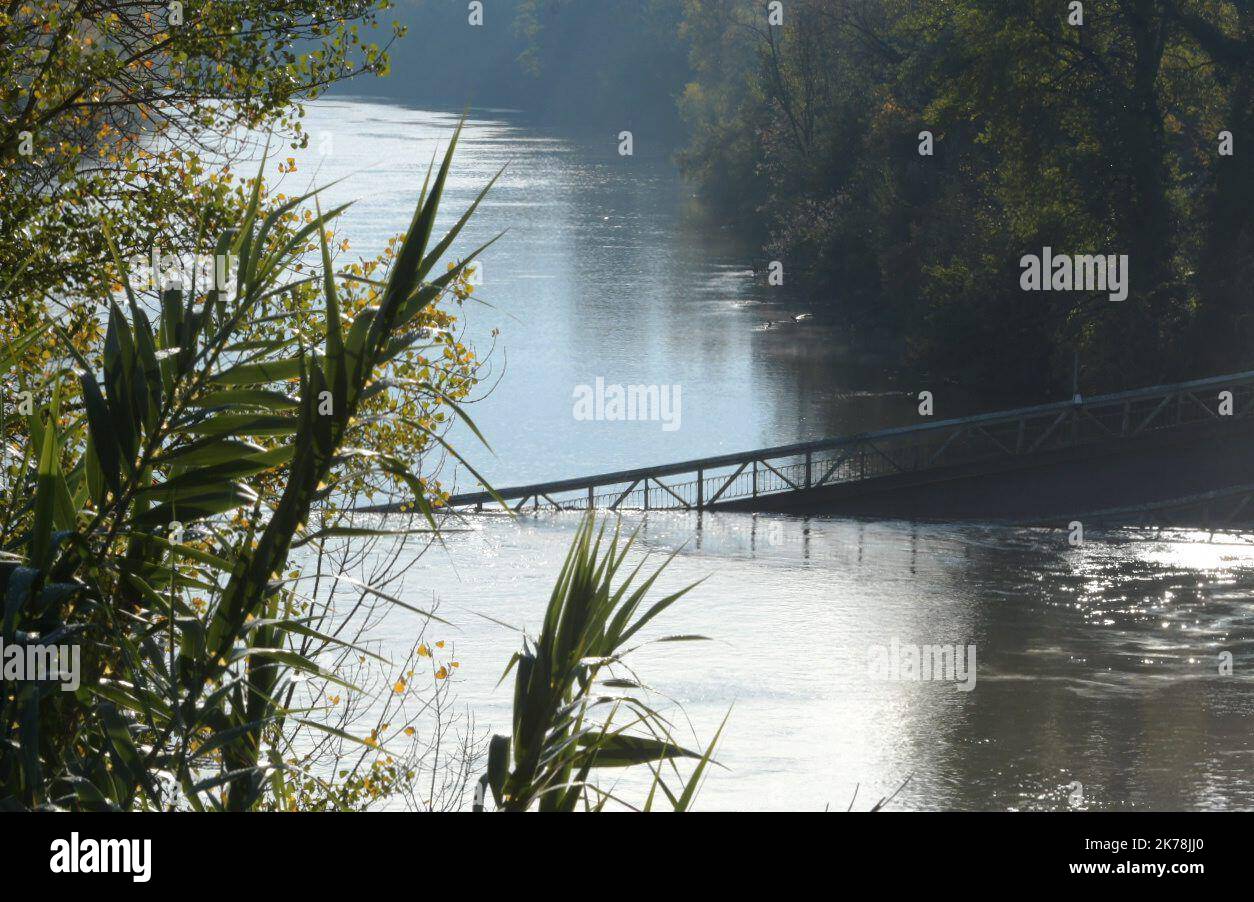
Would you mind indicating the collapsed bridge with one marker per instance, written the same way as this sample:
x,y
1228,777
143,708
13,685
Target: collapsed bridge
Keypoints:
x,y
1168,454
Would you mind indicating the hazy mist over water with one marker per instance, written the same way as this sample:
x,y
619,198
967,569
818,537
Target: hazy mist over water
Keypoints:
x,y
606,269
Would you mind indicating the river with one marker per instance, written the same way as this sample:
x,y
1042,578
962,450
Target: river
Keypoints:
x,y
1114,675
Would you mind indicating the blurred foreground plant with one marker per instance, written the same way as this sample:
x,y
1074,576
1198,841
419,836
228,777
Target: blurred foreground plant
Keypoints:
x,y
564,727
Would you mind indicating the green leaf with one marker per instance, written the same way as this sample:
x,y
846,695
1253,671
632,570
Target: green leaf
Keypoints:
x,y
271,400
123,752
296,662
148,401
17,594
498,766
45,498
621,750
15,347
360,532
100,426
694,781
190,482
446,242
260,373
337,373
32,771
194,554
242,424
119,372
198,506
211,450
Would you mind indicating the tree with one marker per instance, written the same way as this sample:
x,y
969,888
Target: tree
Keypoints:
x,y
1100,138
119,110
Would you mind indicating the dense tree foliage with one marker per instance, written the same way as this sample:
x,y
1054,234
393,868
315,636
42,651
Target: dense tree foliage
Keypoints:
x,y
123,110
1101,137
1090,128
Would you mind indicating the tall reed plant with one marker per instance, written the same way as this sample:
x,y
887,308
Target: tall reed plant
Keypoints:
x,y
579,708
157,491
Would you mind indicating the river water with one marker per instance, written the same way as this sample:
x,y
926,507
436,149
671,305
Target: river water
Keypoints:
x,y
1113,675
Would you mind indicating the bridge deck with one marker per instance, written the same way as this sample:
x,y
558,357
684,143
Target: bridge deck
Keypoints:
x,y
997,439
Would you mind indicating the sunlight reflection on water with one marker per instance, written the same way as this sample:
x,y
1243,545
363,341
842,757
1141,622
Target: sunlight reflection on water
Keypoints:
x,y
1097,665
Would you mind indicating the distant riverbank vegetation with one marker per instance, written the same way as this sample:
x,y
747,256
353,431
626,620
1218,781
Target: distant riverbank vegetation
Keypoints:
x,y
1106,127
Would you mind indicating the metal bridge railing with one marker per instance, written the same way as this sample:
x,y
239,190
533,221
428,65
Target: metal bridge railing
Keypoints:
x,y
1004,435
